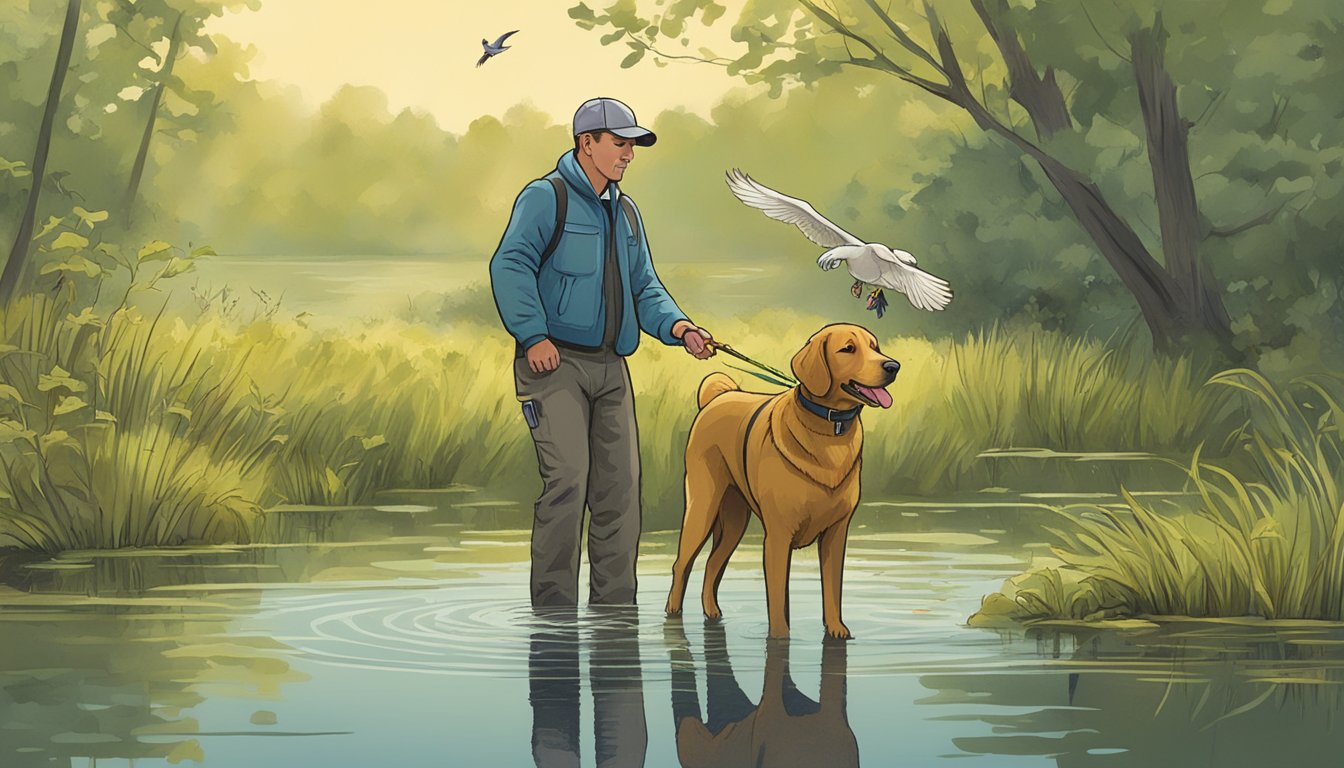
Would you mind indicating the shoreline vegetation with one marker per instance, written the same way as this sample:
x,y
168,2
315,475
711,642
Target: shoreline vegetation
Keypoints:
x,y
128,427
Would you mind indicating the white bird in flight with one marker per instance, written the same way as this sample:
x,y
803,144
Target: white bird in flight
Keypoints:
x,y
871,263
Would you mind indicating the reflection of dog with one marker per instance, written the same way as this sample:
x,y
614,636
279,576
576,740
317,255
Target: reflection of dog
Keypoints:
x,y
786,728
792,458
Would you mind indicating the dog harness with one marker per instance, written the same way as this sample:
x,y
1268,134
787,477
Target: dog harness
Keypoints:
x,y
841,419
746,438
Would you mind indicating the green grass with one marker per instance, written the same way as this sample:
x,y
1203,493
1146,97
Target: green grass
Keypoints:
x,y
1265,540
119,431
172,430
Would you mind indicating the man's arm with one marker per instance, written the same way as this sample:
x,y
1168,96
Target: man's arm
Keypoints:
x,y
514,267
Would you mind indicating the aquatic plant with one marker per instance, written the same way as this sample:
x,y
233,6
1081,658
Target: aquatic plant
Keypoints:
x,y
1266,539
158,429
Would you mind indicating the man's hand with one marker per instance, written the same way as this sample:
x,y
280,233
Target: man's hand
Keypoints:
x,y
543,357
695,338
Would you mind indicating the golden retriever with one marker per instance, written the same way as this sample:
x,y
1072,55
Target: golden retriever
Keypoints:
x,y
792,459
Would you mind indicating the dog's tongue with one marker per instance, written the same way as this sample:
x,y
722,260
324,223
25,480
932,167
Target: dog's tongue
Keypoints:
x,y
881,396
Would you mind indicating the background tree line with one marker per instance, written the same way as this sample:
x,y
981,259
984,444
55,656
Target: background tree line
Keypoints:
x,y
1104,170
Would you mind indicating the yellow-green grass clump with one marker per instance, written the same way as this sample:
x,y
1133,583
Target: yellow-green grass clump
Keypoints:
x,y
136,430
1266,541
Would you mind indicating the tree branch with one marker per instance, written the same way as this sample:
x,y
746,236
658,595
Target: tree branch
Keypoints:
x,y
1263,218
887,65
931,87
903,37
1151,286
1101,37
1040,96
718,61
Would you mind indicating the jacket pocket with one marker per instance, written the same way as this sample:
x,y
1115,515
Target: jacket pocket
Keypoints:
x,y
566,290
580,249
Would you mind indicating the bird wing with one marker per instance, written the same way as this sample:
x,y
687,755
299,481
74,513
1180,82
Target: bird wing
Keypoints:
x,y
904,257
925,291
504,37
800,213
484,58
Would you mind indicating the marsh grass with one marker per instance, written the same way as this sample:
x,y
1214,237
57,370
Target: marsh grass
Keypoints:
x,y
119,432
1266,540
175,430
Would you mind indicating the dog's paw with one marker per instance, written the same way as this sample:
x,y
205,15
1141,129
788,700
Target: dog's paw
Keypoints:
x,y
839,632
672,611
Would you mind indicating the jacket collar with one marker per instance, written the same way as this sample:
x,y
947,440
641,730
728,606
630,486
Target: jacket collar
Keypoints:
x,y
840,419
572,172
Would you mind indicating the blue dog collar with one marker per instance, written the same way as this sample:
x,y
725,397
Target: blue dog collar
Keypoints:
x,y
840,419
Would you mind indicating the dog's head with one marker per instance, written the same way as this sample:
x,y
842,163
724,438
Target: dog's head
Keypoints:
x,y
841,366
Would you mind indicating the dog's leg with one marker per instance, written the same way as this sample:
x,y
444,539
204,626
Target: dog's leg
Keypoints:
x,y
831,553
734,514
704,495
778,557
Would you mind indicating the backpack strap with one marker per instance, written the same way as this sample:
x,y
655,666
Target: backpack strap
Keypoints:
x,y
561,209
628,206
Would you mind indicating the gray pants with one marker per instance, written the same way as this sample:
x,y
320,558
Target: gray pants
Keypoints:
x,y
588,454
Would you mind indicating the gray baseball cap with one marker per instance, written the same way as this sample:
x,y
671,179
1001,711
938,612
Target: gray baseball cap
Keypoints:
x,y
604,114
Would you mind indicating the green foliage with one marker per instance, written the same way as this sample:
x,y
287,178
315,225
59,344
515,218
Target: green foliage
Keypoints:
x,y
118,61
1265,541
1260,99
253,171
160,430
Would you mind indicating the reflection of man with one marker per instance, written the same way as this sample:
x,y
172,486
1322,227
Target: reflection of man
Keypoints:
x,y
574,297
620,732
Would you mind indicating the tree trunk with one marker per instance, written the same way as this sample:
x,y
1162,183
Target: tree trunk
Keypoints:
x,y
1179,300
12,275
1174,188
1153,289
165,73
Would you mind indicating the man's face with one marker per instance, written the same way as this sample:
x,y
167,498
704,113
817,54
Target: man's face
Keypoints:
x,y
610,153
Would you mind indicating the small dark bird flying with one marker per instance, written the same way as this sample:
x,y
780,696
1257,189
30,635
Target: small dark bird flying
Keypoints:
x,y
495,48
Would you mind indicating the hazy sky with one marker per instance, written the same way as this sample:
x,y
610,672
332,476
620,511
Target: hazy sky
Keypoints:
x,y
423,54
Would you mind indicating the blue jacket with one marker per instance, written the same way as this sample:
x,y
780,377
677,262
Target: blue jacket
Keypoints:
x,y
563,299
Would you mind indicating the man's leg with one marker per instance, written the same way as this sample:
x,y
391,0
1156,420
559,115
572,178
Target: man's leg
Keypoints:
x,y
613,490
561,438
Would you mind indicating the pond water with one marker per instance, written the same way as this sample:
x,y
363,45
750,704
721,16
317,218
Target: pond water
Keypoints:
x,y
337,289
401,635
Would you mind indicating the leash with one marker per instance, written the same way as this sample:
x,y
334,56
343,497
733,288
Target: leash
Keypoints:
x,y
782,379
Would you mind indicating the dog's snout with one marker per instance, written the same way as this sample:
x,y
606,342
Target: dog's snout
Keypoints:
x,y
891,367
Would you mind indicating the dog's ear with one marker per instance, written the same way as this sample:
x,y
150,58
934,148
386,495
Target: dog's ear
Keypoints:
x,y
811,366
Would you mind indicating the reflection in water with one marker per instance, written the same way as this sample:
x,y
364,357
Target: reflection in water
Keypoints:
x,y
620,733
122,684
785,728
1204,695
198,653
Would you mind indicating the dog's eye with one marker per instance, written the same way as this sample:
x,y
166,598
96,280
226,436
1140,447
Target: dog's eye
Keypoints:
x,y
847,348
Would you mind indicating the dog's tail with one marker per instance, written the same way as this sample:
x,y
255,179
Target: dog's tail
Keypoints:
x,y
713,385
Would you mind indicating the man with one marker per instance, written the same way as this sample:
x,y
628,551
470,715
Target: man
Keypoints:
x,y
574,299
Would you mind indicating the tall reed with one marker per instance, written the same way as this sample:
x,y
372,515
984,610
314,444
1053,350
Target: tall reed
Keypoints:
x,y
175,429
1266,540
